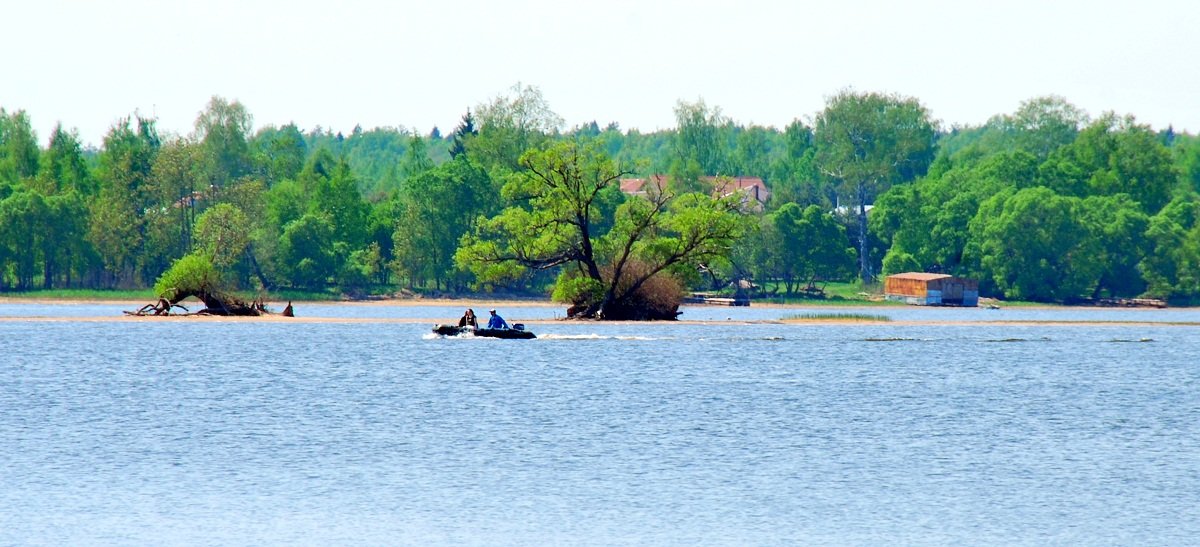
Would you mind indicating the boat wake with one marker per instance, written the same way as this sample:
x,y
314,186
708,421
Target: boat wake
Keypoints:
x,y
599,337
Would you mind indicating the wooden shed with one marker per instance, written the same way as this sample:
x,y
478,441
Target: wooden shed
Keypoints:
x,y
931,289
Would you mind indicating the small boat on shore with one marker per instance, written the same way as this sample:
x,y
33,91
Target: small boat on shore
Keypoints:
x,y
518,332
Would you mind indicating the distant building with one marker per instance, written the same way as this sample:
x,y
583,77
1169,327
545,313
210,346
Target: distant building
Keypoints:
x,y
753,190
931,289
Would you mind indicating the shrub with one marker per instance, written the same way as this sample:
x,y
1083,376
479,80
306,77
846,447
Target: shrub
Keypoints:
x,y
191,274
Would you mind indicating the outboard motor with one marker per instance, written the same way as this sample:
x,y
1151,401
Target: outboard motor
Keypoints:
x,y
518,326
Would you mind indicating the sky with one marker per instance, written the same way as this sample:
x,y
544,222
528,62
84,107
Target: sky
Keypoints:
x,y
418,65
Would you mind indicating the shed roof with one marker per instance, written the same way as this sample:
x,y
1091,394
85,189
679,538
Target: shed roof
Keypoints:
x,y
920,276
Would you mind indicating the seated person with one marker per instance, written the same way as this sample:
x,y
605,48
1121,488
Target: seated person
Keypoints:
x,y
496,322
468,319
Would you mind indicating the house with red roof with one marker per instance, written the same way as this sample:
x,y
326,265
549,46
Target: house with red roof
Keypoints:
x,y
753,190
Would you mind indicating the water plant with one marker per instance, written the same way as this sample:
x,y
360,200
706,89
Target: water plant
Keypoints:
x,y
840,316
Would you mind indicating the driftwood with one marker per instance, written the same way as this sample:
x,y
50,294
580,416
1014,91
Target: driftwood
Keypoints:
x,y
162,307
214,304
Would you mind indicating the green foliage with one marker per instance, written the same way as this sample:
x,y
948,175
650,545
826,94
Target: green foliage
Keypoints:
x,y
222,130
321,208
1171,267
511,124
223,234
192,274
804,245
898,261
1035,245
557,219
307,251
698,146
433,212
576,289
278,153
18,148
63,167
865,142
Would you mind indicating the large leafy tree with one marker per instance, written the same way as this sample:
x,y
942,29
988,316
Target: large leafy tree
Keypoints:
x,y
808,244
510,124
118,224
223,130
558,218
18,148
697,149
464,132
278,153
1119,225
866,142
793,174
928,221
1171,266
438,207
223,234
63,167
24,219
1036,245
306,251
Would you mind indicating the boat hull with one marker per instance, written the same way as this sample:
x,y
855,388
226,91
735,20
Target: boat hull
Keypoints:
x,y
508,334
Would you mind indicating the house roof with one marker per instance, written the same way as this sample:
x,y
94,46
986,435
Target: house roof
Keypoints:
x,y
722,186
638,186
751,185
632,186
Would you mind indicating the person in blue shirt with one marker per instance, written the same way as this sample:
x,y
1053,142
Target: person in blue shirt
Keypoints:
x,y
496,322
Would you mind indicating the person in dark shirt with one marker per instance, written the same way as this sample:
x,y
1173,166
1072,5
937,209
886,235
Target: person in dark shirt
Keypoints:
x,y
468,319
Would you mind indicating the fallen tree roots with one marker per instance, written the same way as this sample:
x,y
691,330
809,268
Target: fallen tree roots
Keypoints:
x,y
214,304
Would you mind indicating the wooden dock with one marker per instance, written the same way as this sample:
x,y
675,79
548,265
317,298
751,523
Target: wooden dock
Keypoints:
x,y
715,300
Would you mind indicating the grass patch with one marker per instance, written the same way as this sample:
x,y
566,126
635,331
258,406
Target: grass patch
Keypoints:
x,y
846,317
835,294
83,294
149,296
297,296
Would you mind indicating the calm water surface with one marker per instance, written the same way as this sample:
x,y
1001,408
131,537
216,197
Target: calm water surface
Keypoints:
x,y
241,432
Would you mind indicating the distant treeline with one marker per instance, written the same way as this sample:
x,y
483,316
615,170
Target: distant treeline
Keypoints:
x,y
1042,204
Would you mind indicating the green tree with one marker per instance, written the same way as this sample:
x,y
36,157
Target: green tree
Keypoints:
x,y
279,154
223,234
1115,156
809,245
1171,268
465,131
24,218
510,124
557,207
1036,245
18,148
178,183
868,141
1119,225
697,147
440,206
928,221
416,159
306,251
63,167
222,130
117,230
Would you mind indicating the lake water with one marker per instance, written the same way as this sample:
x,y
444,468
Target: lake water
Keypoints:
x,y
375,433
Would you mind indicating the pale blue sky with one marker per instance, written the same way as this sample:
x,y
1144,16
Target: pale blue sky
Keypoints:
x,y
422,64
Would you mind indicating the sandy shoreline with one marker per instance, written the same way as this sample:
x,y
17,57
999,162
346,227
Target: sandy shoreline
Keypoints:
x,y
485,304
200,319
